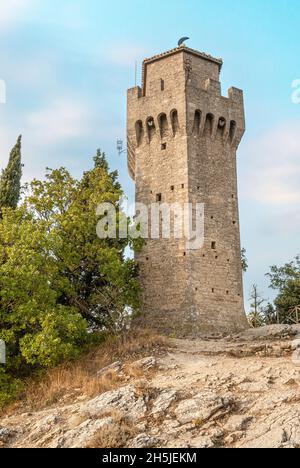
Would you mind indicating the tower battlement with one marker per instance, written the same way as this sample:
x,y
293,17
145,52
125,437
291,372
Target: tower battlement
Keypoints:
x,y
194,76
182,141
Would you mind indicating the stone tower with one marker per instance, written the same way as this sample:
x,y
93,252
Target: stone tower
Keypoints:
x,y
183,137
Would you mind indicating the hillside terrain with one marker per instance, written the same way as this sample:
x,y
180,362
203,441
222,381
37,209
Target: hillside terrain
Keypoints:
x,y
241,391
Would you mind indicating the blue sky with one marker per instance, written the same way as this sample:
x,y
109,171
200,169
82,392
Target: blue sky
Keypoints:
x,y
68,63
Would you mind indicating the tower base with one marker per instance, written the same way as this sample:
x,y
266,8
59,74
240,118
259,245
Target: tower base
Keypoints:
x,y
194,323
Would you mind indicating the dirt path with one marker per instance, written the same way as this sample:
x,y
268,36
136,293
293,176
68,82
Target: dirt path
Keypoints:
x,y
240,392
264,392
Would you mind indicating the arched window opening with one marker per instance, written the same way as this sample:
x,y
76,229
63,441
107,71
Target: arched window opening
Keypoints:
x,y
175,122
139,129
163,125
197,122
232,131
209,122
150,128
221,126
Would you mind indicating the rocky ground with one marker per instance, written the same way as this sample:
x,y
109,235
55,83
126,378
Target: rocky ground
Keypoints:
x,y
242,391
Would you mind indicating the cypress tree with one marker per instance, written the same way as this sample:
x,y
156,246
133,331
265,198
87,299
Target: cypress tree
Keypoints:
x,y
100,160
10,180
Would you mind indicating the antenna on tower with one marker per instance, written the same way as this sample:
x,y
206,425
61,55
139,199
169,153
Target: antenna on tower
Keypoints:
x,y
120,147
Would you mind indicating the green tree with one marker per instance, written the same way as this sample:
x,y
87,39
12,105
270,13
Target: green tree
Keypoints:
x,y
244,260
58,280
286,280
270,316
38,331
10,181
97,278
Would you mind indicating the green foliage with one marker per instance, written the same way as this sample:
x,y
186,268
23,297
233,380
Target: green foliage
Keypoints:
x,y
270,316
38,331
244,260
9,387
281,276
58,280
10,181
93,274
286,280
62,331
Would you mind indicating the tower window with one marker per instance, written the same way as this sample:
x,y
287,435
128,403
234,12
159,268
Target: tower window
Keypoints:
x,y
174,122
163,125
162,85
213,245
213,290
209,123
164,146
221,126
197,122
182,186
158,198
232,131
139,132
172,188
151,128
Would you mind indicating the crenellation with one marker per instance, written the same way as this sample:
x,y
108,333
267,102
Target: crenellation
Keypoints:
x,y
134,93
213,87
236,95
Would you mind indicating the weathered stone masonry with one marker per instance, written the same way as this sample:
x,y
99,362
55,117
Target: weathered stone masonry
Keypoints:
x,y
182,141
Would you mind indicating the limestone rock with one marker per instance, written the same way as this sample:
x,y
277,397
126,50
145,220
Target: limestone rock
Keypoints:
x,y
269,332
163,402
279,429
144,441
125,400
115,367
202,442
238,423
146,364
201,407
6,434
83,434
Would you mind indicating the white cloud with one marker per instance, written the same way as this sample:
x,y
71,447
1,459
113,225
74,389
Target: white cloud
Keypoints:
x,y
38,71
270,170
46,131
12,10
53,132
62,120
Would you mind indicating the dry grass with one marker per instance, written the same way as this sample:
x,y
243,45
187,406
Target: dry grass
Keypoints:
x,y
115,435
66,383
70,381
